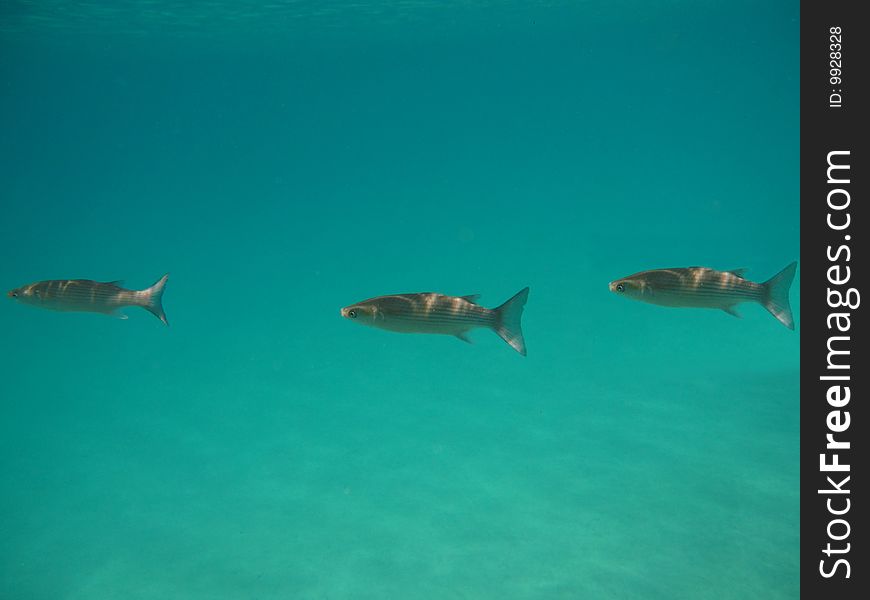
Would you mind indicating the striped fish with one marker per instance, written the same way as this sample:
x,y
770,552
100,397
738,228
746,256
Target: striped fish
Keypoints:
x,y
700,287
84,295
447,315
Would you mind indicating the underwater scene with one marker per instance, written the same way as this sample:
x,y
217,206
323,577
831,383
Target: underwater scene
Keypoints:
x,y
450,308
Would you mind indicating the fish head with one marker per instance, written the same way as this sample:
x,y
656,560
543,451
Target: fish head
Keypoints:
x,y
28,294
21,294
632,287
364,313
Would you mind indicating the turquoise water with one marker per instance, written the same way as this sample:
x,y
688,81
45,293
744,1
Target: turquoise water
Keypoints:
x,y
282,161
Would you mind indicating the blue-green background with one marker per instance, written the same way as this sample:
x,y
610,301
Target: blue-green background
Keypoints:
x,y
283,160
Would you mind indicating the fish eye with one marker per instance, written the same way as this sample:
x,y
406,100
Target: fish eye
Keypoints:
x,y
620,287
351,314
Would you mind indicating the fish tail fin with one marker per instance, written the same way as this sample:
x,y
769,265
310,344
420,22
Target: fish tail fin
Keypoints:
x,y
775,295
154,299
507,321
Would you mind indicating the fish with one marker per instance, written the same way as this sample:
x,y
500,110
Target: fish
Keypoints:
x,y
84,295
429,312
701,287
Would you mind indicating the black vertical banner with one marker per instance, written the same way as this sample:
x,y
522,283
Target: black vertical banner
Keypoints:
x,y
835,363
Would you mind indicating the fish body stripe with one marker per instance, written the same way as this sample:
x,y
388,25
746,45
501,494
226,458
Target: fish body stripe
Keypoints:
x,y
438,314
428,313
696,287
425,306
79,295
749,292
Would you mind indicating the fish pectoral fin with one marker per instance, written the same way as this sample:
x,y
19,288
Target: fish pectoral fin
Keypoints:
x,y
731,310
464,337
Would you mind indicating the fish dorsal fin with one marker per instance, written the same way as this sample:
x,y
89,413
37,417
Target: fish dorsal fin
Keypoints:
x,y
116,283
471,298
464,337
739,272
732,310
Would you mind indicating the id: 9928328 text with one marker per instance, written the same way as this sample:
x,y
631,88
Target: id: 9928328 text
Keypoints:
x,y
835,100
